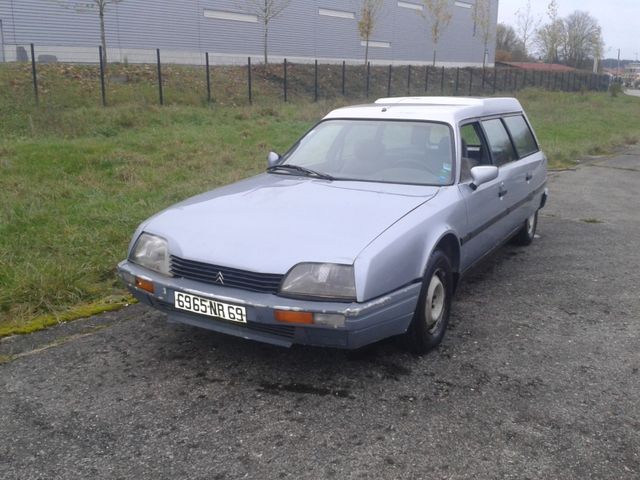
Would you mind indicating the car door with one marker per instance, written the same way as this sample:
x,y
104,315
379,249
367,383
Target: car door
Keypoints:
x,y
485,206
512,174
529,171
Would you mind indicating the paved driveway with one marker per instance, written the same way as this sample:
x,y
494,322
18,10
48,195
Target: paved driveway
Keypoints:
x,y
537,378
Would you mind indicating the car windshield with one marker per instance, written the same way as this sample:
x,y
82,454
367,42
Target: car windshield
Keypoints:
x,y
377,151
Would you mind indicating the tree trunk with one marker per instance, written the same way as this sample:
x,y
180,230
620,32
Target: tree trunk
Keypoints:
x,y
485,54
266,38
366,51
434,57
103,36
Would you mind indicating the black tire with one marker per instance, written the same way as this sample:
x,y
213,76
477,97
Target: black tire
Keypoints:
x,y
528,231
423,334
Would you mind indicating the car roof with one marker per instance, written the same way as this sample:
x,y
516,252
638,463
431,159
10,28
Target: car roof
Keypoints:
x,y
438,109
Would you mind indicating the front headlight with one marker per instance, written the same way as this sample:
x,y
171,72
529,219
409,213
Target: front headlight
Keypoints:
x,y
151,252
321,280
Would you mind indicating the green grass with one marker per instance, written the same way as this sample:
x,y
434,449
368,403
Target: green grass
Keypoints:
x,y
76,179
572,126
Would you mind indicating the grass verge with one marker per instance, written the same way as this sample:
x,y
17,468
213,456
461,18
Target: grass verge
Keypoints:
x,y
76,180
23,326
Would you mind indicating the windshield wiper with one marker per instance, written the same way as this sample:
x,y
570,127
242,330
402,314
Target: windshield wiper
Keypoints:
x,y
304,170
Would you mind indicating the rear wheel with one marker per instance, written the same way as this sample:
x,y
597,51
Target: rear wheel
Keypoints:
x,y
528,231
432,313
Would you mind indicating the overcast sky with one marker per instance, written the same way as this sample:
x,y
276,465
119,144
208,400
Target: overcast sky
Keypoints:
x,y
619,19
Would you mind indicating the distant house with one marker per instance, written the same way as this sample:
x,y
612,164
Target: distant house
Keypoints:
x,y
537,67
184,30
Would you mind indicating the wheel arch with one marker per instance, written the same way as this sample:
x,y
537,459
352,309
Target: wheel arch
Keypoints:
x,y
449,243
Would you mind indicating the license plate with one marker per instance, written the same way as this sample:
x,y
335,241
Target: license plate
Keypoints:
x,y
211,308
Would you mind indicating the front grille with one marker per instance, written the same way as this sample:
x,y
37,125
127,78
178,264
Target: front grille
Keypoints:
x,y
228,277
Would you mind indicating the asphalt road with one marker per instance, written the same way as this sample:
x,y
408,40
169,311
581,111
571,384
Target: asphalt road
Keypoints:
x,y
538,377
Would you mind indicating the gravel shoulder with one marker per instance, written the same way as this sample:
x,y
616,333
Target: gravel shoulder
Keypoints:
x,y
538,377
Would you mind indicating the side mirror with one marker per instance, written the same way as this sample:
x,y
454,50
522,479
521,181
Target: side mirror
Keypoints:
x,y
272,159
483,174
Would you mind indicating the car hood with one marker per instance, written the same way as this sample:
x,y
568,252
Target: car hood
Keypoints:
x,y
271,222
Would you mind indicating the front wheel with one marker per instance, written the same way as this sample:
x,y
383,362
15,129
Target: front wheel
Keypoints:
x,y
432,313
527,233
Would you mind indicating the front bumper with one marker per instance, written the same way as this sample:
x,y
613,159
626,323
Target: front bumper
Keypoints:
x,y
365,323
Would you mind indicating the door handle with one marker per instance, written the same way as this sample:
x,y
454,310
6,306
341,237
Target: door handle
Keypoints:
x,y
529,176
502,192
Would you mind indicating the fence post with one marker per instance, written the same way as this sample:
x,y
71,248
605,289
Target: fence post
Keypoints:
x,y
484,78
442,81
495,79
103,90
409,80
34,74
524,80
368,74
285,80
515,81
208,73
426,78
555,81
344,73
470,81
315,81
457,81
389,80
249,86
160,92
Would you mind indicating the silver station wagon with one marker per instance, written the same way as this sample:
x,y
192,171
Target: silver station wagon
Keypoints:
x,y
361,231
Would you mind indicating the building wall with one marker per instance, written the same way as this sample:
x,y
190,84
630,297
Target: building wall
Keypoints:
x,y
180,28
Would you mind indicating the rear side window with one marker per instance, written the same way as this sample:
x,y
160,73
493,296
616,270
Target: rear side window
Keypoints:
x,y
521,134
499,142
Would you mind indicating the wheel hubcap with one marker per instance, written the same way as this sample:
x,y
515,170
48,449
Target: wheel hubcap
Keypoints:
x,y
434,303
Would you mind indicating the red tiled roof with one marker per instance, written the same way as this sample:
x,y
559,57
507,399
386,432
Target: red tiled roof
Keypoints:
x,y
546,67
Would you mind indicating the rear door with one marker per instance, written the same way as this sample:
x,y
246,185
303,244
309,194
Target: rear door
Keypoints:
x,y
512,173
530,169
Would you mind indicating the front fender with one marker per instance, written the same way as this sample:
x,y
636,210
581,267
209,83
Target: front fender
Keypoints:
x,y
399,256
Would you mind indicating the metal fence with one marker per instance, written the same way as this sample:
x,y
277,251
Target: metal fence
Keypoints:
x,y
313,81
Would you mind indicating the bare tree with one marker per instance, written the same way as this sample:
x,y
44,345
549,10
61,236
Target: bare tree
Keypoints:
x,y
575,40
482,23
369,12
509,47
582,40
439,15
265,11
101,7
549,37
527,24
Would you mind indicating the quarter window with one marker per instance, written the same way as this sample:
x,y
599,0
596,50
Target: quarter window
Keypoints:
x,y
521,134
499,142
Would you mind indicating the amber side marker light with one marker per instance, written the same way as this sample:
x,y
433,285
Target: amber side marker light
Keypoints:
x,y
288,316
145,285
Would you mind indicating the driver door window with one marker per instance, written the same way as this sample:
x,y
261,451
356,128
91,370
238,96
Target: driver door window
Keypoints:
x,y
474,150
